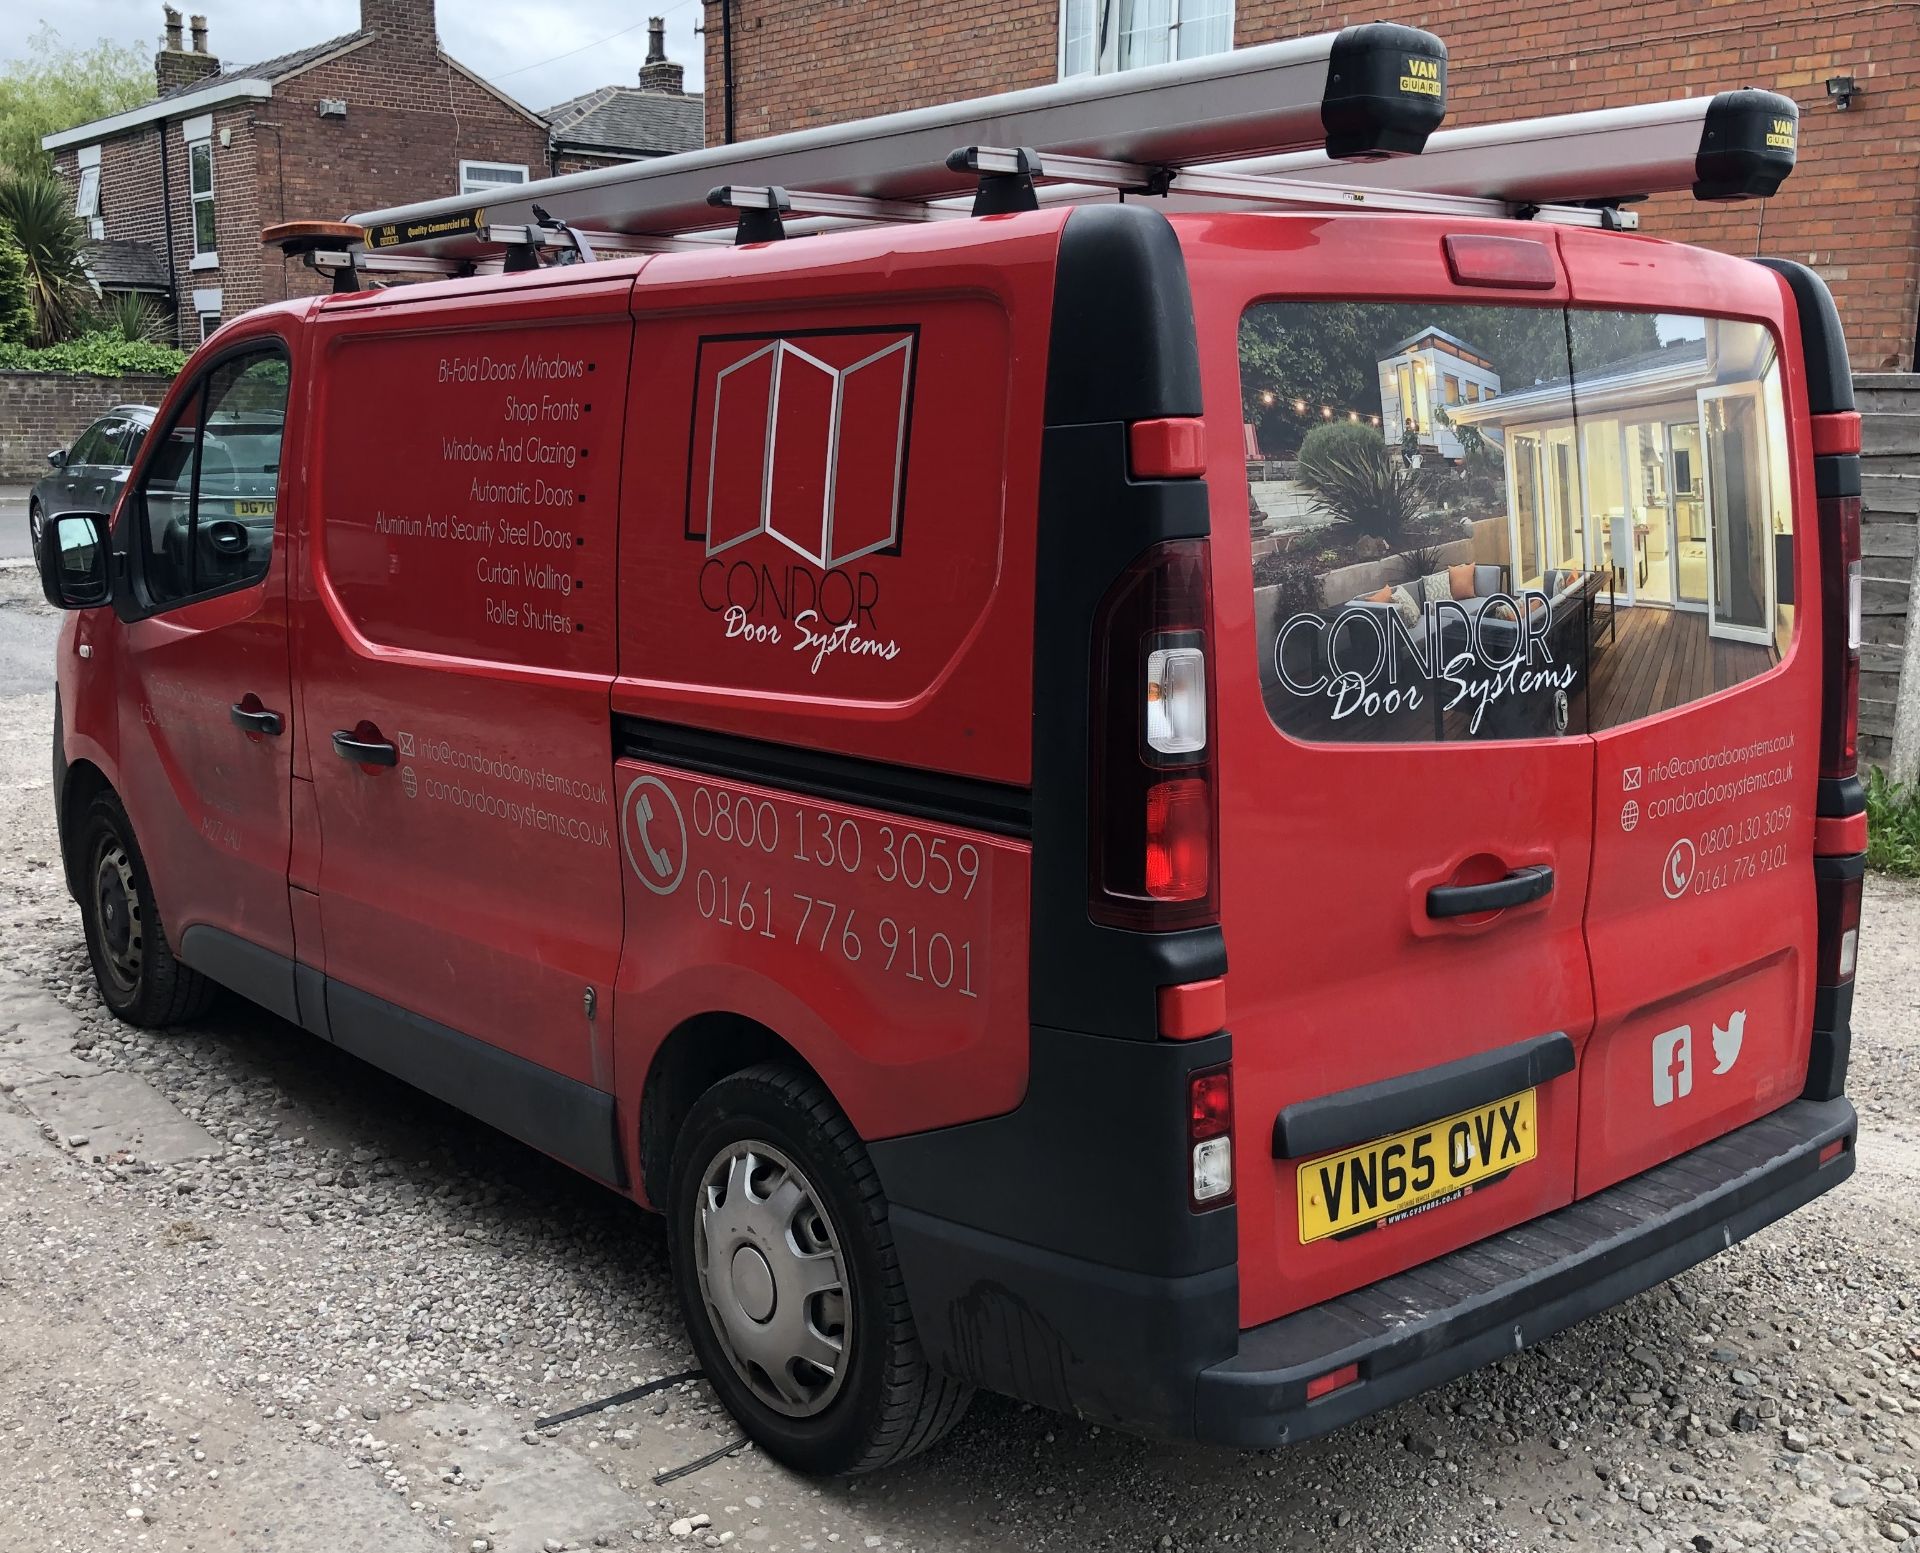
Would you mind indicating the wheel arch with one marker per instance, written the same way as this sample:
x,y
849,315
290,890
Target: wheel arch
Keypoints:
x,y
695,1055
82,783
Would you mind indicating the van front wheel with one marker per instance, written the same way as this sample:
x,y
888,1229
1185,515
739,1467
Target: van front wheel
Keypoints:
x,y
788,1279
133,965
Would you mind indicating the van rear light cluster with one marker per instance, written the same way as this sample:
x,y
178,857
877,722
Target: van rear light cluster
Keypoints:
x,y
1210,1135
1152,846
1839,519
1837,890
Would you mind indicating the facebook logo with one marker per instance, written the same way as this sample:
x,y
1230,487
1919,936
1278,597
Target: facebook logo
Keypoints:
x,y
1672,1065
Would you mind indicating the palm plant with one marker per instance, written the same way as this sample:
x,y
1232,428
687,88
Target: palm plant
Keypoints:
x,y
38,211
126,315
1358,482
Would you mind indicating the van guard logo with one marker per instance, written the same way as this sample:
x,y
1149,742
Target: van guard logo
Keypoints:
x,y
799,447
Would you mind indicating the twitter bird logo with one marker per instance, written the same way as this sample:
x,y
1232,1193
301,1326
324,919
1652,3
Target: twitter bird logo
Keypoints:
x,y
1726,1043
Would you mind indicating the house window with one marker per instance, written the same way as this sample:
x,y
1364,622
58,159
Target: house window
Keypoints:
x,y
485,177
86,203
1452,387
1099,37
208,323
206,245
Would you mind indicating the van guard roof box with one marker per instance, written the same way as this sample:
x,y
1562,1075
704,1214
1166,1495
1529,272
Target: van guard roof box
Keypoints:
x,y
1733,146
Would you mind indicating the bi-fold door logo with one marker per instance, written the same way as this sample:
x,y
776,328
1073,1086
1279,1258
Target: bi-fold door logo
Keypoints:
x,y
801,439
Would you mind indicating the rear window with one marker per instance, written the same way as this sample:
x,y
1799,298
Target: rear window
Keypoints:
x,y
1510,522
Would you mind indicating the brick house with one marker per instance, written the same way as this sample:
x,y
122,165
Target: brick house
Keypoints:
x,y
626,123
1852,209
178,189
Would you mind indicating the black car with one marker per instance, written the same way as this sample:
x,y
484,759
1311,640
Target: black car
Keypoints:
x,y
87,477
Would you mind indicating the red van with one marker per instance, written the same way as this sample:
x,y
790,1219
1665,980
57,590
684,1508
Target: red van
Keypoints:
x,y
1206,819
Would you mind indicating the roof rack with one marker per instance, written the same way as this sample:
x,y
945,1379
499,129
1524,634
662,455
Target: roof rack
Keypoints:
x,y
1230,128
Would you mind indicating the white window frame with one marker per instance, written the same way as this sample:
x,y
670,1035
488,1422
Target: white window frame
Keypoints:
x,y
208,303
1107,60
86,194
198,132
488,185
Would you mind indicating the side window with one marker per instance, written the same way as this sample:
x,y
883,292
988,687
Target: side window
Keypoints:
x,y
95,444
208,498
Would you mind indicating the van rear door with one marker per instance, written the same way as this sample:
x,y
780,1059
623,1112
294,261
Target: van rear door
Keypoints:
x,y
1406,809
1700,917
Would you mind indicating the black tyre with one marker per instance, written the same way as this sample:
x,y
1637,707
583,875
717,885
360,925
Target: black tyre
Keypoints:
x,y
35,522
788,1279
133,965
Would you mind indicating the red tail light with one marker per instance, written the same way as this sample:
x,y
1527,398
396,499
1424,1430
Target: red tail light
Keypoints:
x,y
1839,520
1152,847
1210,1136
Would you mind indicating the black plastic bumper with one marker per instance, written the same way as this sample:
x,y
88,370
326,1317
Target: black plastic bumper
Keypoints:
x,y
1161,1354
1452,1315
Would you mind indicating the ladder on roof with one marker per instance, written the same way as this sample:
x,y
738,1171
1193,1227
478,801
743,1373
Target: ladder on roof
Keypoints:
x,y
1339,121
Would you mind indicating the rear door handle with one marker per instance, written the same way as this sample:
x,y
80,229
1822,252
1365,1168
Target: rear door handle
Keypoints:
x,y
363,752
256,719
1469,900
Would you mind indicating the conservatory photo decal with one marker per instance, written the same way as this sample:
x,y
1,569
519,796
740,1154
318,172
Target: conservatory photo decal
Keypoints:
x,y
1507,522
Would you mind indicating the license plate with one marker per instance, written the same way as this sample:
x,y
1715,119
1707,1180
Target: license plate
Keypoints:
x,y
1412,1171
253,509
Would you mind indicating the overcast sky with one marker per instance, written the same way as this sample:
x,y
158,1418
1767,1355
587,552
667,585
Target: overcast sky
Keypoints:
x,y
540,51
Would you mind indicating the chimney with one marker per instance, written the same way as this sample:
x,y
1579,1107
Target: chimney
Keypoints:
x,y
658,74
403,24
175,65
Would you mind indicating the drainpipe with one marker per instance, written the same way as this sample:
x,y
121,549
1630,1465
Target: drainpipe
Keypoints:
x,y
726,62
166,209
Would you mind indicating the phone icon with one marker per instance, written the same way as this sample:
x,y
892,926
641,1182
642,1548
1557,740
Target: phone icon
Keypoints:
x,y
653,832
662,863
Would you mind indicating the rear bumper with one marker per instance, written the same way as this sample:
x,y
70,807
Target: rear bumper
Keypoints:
x,y
1161,1354
1452,1315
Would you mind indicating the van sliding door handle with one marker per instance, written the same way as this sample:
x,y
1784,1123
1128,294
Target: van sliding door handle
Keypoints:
x,y
1469,900
255,718
363,752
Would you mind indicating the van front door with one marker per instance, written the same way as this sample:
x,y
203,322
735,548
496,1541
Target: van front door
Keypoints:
x,y
206,714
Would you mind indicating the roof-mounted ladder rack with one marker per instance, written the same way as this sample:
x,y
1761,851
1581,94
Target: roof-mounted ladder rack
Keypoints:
x,y
1272,126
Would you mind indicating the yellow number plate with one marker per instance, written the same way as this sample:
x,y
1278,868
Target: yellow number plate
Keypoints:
x,y
1392,1177
253,509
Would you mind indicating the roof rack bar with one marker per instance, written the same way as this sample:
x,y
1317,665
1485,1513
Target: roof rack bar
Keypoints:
x,y
1370,91
1736,145
1081,176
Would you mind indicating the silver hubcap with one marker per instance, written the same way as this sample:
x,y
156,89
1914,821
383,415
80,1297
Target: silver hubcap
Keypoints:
x,y
773,1278
121,929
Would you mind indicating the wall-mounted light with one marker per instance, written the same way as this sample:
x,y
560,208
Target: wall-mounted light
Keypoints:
x,y
1842,89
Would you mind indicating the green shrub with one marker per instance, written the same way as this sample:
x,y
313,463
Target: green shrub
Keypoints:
x,y
38,213
101,355
16,291
1893,825
1335,436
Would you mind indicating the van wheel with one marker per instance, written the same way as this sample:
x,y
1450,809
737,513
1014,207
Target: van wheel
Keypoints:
x,y
133,966
788,1279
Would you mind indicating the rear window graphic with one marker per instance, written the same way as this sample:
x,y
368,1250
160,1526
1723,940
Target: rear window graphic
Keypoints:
x,y
1508,522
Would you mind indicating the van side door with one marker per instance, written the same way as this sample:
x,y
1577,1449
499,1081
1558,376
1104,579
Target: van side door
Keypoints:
x,y
456,648
205,698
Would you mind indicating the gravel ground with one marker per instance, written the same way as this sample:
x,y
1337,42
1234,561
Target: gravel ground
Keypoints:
x,y
338,1331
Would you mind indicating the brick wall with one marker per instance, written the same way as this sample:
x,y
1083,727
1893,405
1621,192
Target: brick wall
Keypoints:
x,y
1852,209
41,411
